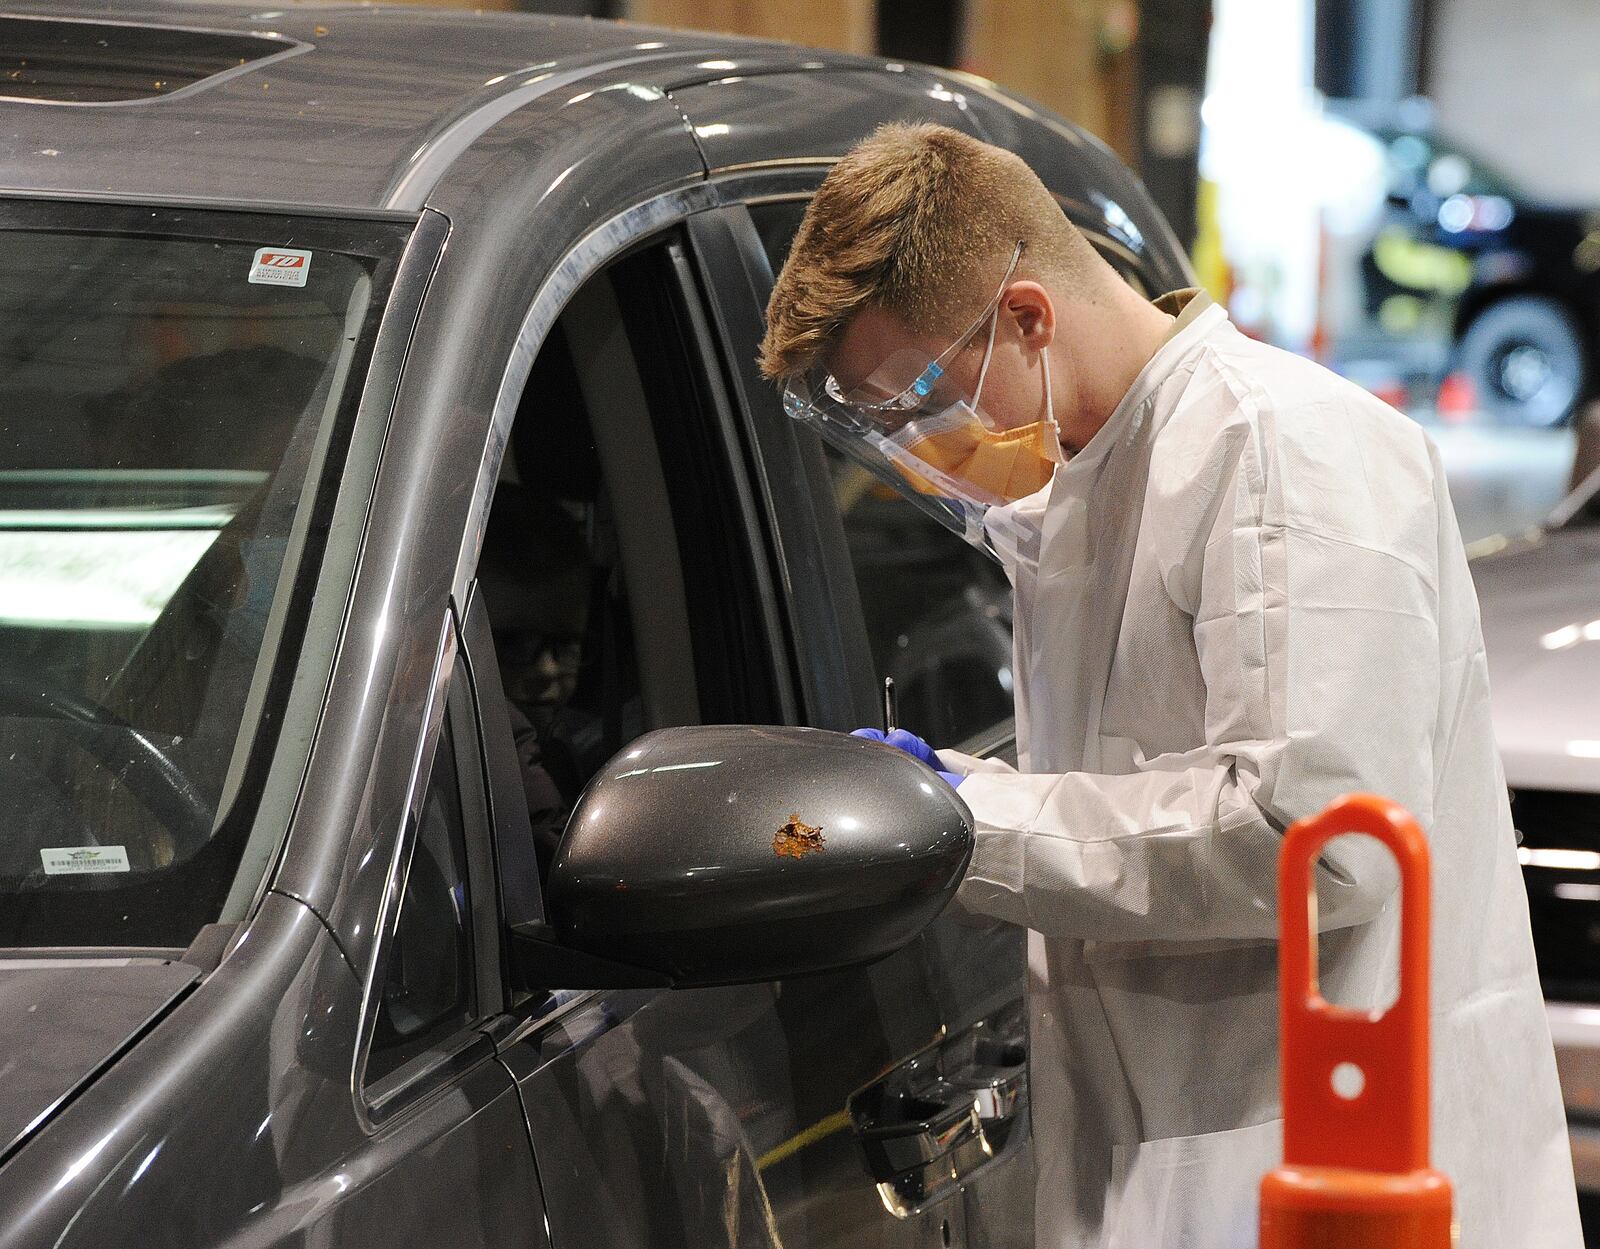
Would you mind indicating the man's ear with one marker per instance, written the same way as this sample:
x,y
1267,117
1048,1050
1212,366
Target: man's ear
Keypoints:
x,y
1029,305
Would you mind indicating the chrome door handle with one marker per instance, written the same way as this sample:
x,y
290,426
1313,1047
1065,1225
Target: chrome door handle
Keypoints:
x,y
905,1131
991,1060
998,1095
929,1124
919,1143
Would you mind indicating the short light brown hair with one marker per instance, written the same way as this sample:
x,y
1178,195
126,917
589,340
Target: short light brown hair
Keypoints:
x,y
920,220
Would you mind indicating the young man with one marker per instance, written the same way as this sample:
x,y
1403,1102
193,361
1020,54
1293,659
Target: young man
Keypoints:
x,y
1240,593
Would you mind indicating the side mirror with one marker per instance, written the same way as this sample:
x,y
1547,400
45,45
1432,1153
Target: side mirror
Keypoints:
x,y
735,854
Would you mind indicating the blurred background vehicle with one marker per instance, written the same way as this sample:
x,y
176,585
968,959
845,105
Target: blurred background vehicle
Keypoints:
x,y
1483,278
1540,599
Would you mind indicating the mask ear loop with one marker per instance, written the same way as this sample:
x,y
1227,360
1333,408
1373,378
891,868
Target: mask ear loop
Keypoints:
x,y
1055,450
994,325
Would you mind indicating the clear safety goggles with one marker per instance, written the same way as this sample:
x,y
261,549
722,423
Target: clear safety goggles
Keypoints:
x,y
914,427
908,383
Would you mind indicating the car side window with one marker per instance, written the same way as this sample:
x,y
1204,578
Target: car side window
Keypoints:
x,y
937,611
600,515
556,595
427,991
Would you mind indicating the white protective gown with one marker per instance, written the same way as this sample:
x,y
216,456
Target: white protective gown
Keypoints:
x,y
1251,597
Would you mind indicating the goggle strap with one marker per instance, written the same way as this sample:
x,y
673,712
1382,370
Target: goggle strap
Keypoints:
x,y
988,357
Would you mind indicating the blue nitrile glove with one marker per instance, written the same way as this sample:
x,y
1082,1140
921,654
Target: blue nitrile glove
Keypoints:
x,y
915,747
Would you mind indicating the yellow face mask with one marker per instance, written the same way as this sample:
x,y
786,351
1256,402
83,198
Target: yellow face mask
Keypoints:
x,y
989,467
997,466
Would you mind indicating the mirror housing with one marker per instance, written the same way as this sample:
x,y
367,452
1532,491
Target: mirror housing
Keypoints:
x,y
736,854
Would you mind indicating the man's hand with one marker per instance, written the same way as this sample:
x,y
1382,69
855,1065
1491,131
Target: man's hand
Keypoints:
x,y
915,747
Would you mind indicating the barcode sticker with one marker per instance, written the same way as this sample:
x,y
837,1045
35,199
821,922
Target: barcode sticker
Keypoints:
x,y
84,860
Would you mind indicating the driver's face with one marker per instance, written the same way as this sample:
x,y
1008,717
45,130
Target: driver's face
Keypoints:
x,y
540,671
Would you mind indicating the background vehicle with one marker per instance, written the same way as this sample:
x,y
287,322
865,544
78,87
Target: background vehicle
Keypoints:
x,y
1509,285
294,947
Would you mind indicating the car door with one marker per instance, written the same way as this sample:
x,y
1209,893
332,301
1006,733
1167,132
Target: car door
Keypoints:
x,y
790,1113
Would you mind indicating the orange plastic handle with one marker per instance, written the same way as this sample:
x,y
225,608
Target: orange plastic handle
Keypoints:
x,y
1385,1127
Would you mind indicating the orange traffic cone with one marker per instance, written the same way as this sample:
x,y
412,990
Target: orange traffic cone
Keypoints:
x,y
1355,1083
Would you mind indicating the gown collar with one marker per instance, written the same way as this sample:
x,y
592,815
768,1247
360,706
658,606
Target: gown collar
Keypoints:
x,y
1010,525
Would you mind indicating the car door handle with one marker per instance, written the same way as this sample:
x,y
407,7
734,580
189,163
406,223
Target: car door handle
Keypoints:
x,y
929,1124
990,1061
998,1095
904,1130
920,1138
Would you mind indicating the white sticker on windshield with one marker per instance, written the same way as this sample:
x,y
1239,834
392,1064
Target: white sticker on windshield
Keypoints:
x,y
280,266
85,860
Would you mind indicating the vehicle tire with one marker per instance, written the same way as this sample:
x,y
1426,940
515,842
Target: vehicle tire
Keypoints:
x,y
1528,361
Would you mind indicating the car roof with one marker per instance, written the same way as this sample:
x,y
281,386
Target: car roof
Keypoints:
x,y
349,107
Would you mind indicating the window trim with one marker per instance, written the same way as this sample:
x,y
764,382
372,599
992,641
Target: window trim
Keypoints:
x,y
443,1063
510,828
711,345
472,784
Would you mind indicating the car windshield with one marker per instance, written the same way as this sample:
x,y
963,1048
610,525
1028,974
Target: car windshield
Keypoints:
x,y
174,389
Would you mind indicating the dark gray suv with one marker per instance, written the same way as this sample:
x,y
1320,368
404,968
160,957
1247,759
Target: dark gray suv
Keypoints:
x,y
390,511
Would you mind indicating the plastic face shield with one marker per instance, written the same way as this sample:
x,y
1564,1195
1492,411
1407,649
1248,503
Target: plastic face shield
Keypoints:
x,y
914,428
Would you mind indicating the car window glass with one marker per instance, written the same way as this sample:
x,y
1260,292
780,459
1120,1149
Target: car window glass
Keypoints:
x,y
551,578
776,224
614,501
427,988
682,411
937,611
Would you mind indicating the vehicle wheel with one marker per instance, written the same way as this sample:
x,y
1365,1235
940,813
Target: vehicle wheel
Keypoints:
x,y
1527,360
